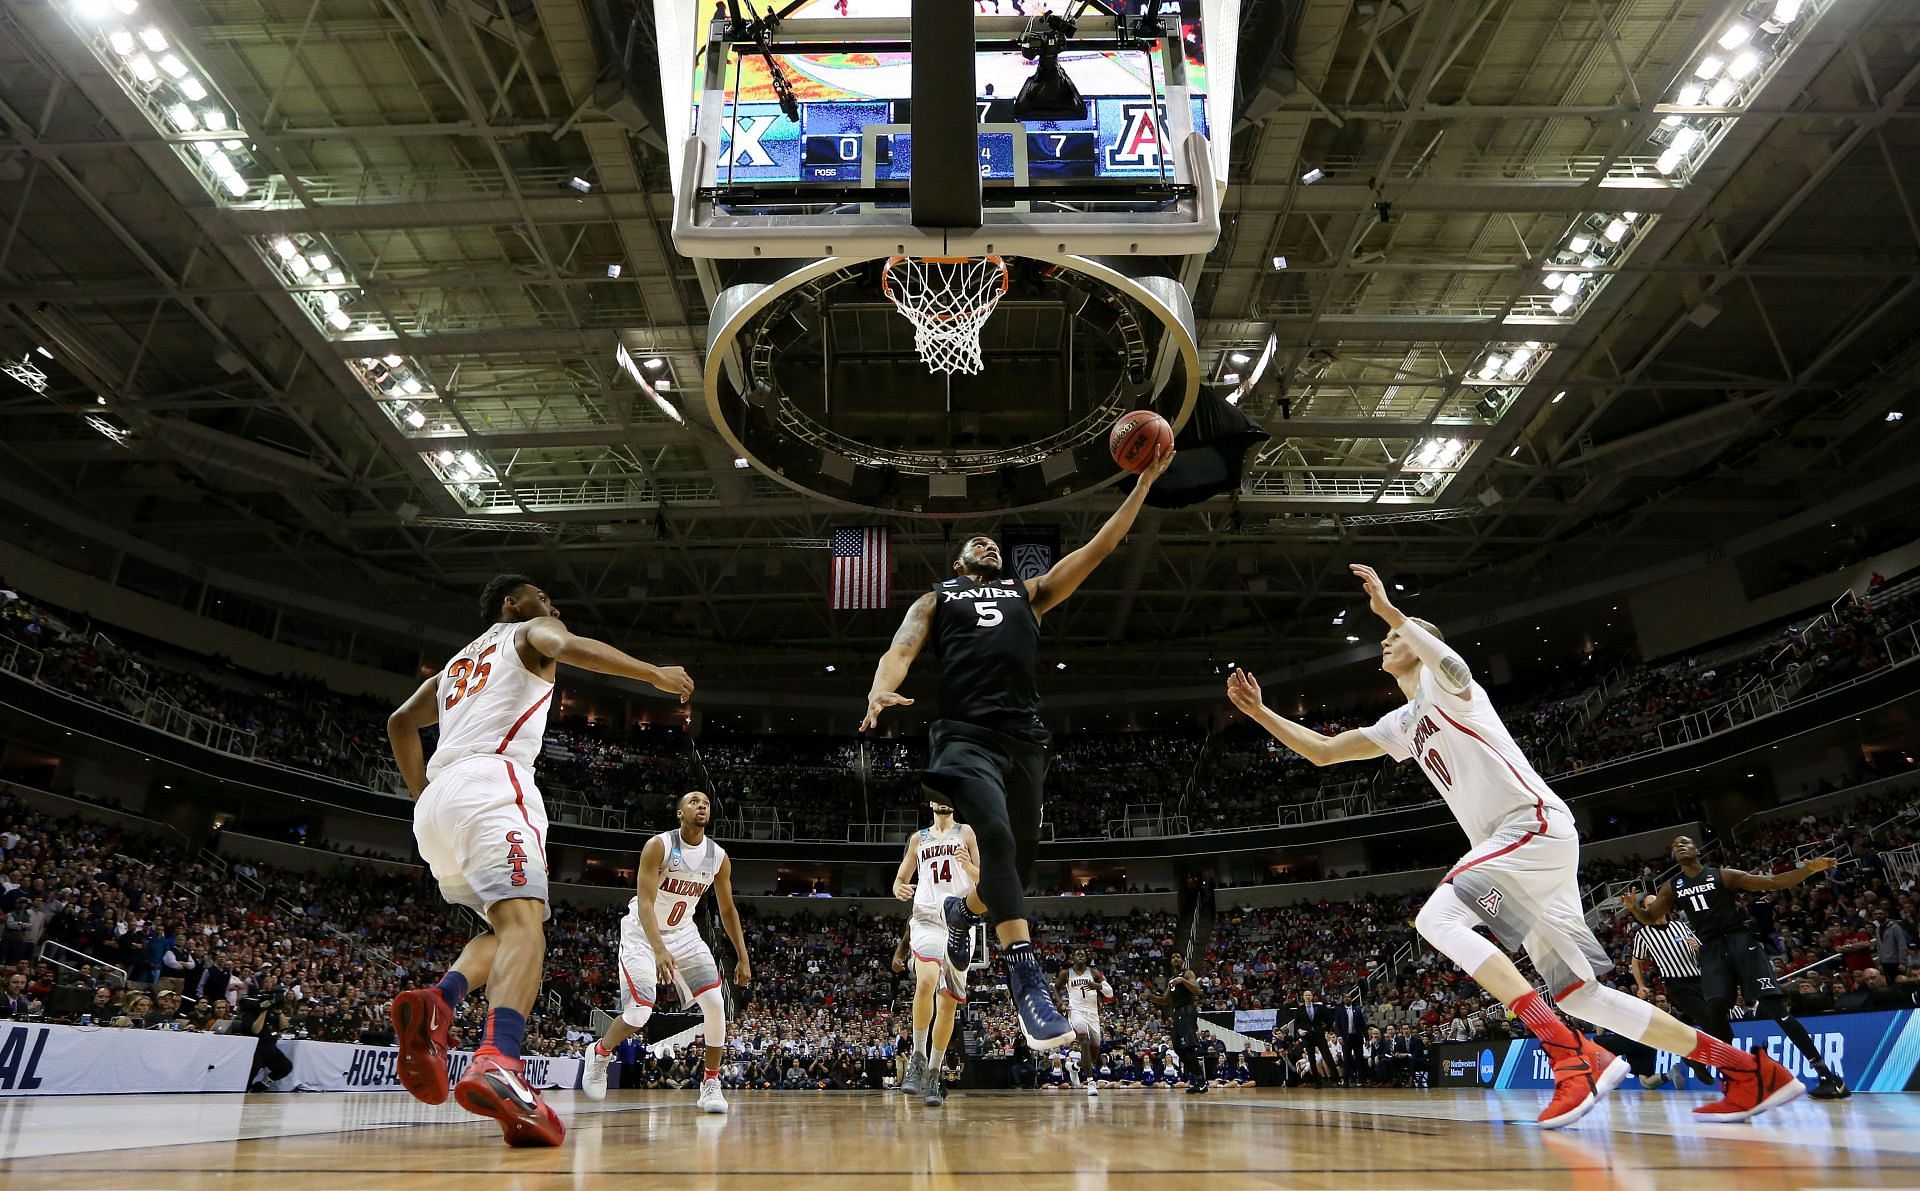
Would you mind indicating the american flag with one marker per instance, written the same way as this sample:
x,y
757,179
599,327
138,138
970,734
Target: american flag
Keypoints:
x,y
862,569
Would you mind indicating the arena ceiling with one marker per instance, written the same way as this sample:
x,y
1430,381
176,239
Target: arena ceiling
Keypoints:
x,y
434,395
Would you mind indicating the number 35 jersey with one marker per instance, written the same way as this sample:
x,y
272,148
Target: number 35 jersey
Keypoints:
x,y
490,704
1471,759
987,639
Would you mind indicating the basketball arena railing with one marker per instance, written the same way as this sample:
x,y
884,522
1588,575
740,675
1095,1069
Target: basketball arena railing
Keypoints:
x,y
77,963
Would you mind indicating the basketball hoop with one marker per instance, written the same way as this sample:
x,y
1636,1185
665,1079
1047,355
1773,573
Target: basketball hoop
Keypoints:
x,y
947,299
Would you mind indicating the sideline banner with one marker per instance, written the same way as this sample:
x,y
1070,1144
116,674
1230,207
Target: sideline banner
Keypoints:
x,y
40,1060
346,1067
1872,1052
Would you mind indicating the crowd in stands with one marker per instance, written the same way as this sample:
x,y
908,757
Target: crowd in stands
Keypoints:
x,y
816,785
114,925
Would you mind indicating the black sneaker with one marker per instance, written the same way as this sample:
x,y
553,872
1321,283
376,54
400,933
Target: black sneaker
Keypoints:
x,y
1830,1088
960,924
1039,1020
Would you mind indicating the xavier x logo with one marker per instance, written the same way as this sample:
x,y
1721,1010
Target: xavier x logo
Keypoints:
x,y
741,141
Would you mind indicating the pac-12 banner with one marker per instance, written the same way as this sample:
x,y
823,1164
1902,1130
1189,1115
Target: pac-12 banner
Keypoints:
x,y
1872,1052
345,1067
40,1060
1031,549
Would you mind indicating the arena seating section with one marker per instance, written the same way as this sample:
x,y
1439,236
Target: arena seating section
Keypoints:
x,y
1603,710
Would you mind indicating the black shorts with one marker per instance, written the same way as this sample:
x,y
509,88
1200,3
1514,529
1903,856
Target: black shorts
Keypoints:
x,y
966,755
1736,961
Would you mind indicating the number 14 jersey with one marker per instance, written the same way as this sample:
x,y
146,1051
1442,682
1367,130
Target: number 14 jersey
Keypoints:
x,y
1471,759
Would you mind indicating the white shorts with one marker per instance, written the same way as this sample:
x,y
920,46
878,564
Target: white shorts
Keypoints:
x,y
1086,1025
482,827
695,970
928,940
1525,886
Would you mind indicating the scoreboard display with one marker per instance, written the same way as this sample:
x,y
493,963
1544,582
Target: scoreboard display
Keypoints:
x,y
1118,138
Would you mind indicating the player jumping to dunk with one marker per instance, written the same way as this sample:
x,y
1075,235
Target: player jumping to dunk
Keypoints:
x,y
1520,878
989,752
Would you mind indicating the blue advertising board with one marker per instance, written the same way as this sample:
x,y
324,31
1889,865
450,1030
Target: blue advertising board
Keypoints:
x,y
1872,1052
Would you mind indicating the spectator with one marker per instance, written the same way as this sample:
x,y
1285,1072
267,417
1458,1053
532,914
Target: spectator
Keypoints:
x,y
16,1002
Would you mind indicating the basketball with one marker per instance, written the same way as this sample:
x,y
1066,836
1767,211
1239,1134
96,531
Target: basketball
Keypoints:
x,y
1137,438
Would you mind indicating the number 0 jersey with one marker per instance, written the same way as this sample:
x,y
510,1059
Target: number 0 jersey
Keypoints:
x,y
987,639
490,704
941,875
1471,759
688,872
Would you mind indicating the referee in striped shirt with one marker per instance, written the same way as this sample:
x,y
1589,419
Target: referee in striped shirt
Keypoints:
x,y
1674,951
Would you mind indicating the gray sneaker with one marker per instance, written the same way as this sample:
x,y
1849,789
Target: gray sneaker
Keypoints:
x,y
936,1092
916,1075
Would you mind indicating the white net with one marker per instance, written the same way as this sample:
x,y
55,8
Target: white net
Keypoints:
x,y
948,300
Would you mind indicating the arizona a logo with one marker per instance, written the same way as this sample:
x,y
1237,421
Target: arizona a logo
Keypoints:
x,y
1141,134
1490,902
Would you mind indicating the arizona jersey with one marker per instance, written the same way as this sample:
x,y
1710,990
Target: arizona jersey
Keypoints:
x,y
1083,992
689,871
1471,759
1713,909
941,874
490,703
987,638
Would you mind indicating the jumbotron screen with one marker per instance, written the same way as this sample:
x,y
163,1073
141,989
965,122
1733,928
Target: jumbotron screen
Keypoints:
x,y
841,94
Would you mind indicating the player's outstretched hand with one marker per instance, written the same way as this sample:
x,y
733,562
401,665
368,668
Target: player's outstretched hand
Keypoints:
x,y
1158,467
880,703
664,966
903,891
675,681
1244,689
1376,591
1820,864
743,972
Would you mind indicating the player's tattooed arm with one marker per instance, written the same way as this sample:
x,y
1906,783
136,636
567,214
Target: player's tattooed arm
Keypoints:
x,y
894,664
1447,666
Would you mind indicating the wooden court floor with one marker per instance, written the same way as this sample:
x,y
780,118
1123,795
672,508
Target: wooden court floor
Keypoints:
x,y
1008,1140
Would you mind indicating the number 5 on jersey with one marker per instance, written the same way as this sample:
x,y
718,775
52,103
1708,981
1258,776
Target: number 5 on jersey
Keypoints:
x,y
989,613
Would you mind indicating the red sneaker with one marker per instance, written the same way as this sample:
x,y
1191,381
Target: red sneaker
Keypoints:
x,y
1747,1094
495,1086
422,1026
1581,1079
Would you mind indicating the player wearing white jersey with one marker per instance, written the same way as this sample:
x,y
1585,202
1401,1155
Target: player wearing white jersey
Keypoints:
x,y
659,942
1085,988
942,859
1520,877
482,828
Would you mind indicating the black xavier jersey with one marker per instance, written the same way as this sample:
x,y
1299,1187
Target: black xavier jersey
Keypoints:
x,y
987,639
1713,910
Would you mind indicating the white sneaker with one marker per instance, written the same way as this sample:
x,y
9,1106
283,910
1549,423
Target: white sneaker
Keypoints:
x,y
593,1077
1093,1087
710,1098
